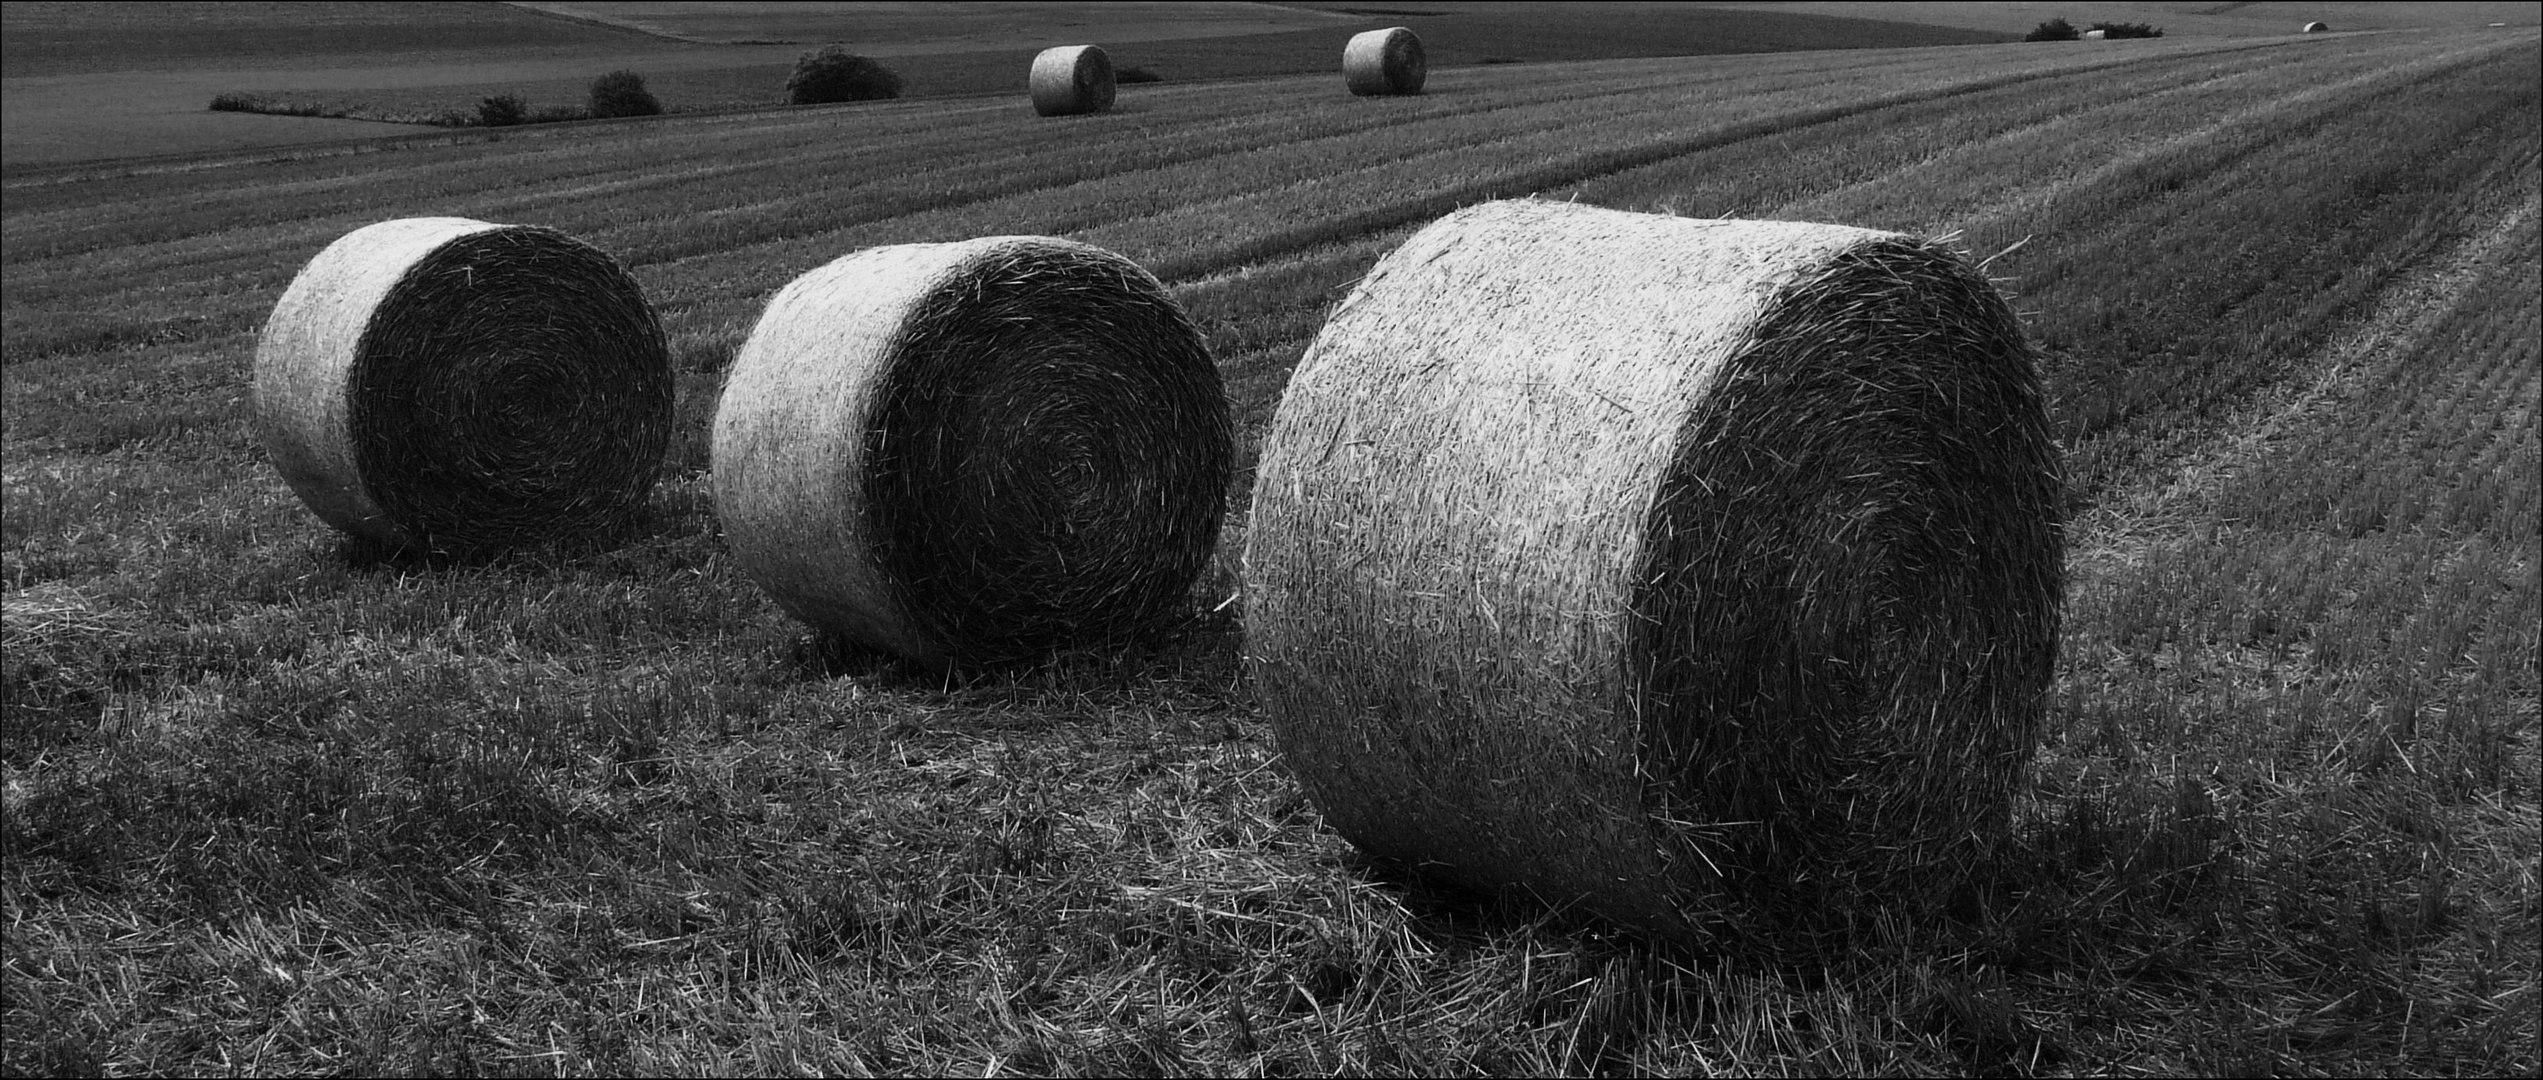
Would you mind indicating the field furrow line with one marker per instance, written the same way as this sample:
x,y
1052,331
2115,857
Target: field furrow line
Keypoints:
x,y
2015,172
834,187
1075,204
1582,168
849,142
2273,118
2122,528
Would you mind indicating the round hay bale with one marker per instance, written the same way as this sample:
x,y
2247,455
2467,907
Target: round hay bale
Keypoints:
x,y
976,452
2096,35
1385,61
2320,28
1698,573
451,385
1072,79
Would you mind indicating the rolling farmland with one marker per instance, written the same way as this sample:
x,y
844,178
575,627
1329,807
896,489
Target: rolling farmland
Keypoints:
x,y
87,81
277,802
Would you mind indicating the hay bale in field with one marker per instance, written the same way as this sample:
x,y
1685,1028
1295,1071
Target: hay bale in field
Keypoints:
x,y
2096,35
1385,61
451,385
975,452
2320,28
1704,574
1072,79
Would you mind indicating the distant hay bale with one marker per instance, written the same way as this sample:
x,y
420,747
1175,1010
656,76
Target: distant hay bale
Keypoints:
x,y
976,452
1072,79
2324,28
2096,35
1698,573
450,385
1385,61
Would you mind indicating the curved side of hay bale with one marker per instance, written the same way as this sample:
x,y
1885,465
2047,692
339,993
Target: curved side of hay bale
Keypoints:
x,y
2317,27
1385,61
1699,573
1072,79
454,385
975,452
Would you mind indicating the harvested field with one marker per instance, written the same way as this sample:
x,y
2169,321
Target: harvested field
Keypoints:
x,y
273,803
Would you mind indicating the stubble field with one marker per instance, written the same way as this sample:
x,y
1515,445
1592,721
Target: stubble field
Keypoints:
x,y
275,802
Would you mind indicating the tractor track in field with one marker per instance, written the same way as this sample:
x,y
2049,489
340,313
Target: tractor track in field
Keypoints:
x,y
1583,168
2126,527
2293,113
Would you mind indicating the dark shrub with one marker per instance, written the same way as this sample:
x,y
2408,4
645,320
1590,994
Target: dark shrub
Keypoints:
x,y
1136,74
622,93
2128,30
555,114
835,74
2057,29
259,103
502,111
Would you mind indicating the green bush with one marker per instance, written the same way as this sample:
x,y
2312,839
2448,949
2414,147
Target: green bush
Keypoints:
x,y
1136,74
835,74
622,93
2057,29
502,111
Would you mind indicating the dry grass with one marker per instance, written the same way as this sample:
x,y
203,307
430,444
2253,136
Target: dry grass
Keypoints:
x,y
280,810
976,452
448,385
1385,61
1701,573
1068,80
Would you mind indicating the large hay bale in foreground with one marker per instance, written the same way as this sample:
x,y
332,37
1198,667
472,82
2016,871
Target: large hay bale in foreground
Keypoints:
x,y
1385,61
975,452
1072,79
1703,574
451,385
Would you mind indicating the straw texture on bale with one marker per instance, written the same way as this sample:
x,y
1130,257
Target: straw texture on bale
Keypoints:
x,y
976,452
450,385
1385,61
1702,574
1072,79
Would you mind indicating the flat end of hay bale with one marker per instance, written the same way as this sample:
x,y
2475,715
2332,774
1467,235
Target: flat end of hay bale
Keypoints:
x,y
974,453
1070,80
452,385
1702,574
1381,62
